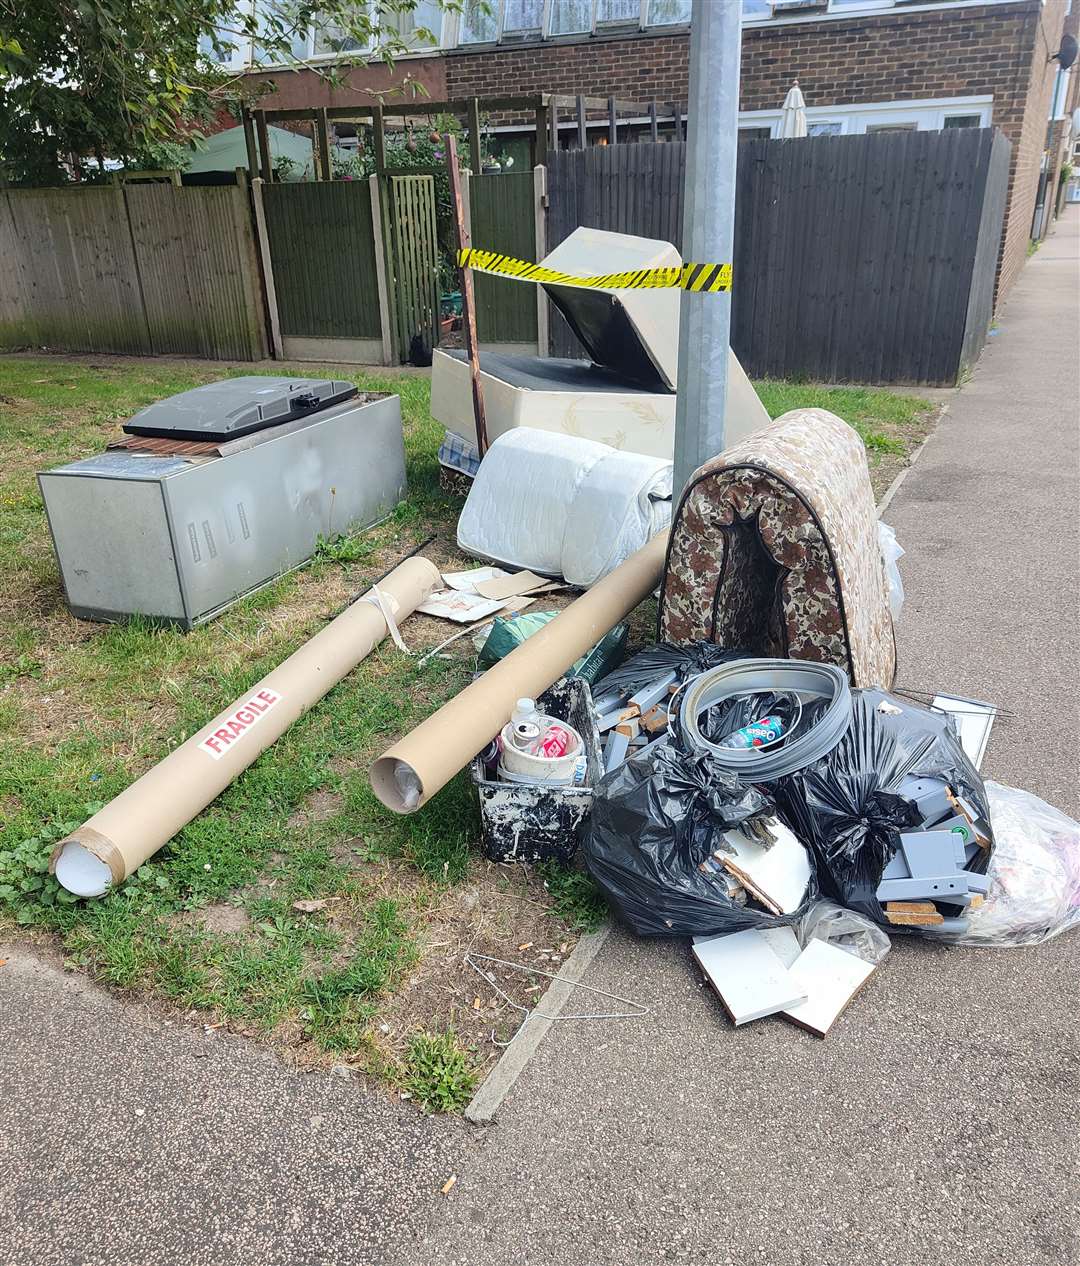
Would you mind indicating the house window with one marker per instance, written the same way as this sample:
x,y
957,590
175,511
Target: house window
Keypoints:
x,y
479,22
522,17
908,126
571,17
825,127
667,13
618,12
754,133
961,120
756,10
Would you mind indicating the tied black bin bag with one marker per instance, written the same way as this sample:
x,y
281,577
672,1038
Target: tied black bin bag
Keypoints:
x,y
846,807
655,820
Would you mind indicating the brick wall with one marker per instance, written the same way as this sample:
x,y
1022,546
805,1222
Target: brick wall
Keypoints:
x,y
1029,124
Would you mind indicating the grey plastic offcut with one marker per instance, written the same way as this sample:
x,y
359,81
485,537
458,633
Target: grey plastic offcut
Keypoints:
x,y
811,682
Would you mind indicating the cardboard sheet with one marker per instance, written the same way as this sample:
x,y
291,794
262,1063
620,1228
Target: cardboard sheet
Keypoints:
x,y
461,607
466,581
520,582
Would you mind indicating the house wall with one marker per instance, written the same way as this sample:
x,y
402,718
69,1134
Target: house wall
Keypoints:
x,y
303,89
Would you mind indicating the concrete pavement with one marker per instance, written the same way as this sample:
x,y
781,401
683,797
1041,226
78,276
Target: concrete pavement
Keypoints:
x,y
936,1125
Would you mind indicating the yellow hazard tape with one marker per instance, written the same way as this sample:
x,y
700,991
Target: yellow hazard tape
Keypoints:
x,y
699,277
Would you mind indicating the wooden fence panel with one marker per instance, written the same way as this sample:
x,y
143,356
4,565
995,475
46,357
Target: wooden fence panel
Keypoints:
x,y
503,219
857,258
414,260
77,280
322,250
981,300
199,274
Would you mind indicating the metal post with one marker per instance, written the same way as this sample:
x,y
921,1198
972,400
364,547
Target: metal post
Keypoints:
x,y
708,233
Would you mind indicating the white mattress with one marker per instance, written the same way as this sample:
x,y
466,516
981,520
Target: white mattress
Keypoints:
x,y
563,506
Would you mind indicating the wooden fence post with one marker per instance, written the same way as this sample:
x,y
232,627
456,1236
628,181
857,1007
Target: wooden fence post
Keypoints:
x,y
654,130
262,242
267,168
249,142
540,229
385,315
554,123
378,139
468,306
613,125
323,128
476,161
540,141
582,134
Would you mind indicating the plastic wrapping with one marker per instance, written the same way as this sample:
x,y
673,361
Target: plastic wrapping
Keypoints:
x,y
845,929
655,661
846,807
891,552
508,633
655,820
1034,872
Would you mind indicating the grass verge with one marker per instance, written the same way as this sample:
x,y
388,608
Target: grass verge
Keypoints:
x,y
294,907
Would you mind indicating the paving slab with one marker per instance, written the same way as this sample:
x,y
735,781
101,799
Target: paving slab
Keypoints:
x,y
129,1141
936,1123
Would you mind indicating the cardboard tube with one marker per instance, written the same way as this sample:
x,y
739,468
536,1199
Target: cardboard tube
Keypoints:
x,y
116,841
414,769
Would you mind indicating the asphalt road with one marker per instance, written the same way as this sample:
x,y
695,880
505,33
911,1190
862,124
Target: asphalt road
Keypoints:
x,y
937,1124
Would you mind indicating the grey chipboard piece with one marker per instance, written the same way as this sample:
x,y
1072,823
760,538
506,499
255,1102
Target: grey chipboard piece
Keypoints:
x,y
928,888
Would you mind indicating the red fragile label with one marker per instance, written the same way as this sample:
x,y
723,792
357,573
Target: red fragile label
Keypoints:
x,y
229,730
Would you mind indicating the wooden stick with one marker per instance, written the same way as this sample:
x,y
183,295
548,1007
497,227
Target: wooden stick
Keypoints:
x,y
468,306
267,168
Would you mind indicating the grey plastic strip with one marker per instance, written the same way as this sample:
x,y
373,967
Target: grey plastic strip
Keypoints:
x,y
751,676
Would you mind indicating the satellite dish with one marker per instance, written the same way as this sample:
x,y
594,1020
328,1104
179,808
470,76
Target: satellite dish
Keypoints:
x,y
1066,54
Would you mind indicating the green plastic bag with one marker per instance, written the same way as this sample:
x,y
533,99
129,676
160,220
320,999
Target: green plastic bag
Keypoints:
x,y
508,634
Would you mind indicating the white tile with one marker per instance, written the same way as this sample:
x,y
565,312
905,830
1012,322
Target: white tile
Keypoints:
x,y
830,977
747,974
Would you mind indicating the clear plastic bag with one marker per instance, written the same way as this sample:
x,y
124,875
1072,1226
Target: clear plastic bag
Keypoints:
x,y
1034,872
826,921
891,552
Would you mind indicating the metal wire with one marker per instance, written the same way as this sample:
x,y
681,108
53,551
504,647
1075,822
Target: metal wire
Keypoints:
x,y
473,960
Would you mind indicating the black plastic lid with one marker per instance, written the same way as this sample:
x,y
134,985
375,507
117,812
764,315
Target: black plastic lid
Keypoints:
x,y
237,406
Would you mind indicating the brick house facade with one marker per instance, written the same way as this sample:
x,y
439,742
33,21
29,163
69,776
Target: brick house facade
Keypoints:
x,y
997,53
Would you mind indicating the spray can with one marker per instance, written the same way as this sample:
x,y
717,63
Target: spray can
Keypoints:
x,y
757,734
555,741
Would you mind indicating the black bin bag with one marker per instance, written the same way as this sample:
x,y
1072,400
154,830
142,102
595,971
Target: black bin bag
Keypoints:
x,y
846,807
655,820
